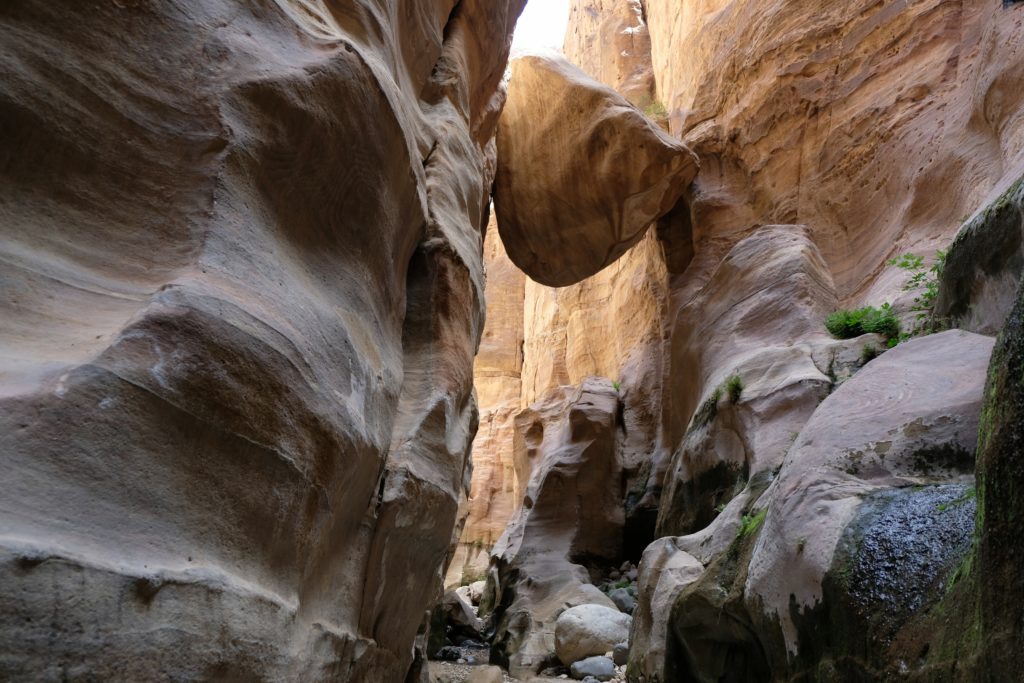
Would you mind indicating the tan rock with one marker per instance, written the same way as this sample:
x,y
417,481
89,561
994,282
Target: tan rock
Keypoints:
x,y
564,215
570,513
880,126
665,571
609,41
759,318
485,674
495,491
243,289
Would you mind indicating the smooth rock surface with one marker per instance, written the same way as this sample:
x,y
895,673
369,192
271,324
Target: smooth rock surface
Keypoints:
x,y
909,418
495,491
240,255
623,600
599,668
588,631
564,215
983,267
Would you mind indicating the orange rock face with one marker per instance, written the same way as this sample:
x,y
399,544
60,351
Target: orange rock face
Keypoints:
x,y
609,40
581,173
241,253
880,125
495,490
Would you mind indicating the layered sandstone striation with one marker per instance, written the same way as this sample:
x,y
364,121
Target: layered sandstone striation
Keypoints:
x,y
878,124
610,42
495,488
243,290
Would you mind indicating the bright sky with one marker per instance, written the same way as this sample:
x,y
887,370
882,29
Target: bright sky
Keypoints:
x,y
541,25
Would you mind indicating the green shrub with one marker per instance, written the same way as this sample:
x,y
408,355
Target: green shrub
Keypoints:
x,y
751,523
733,388
708,410
656,110
847,324
927,281
616,384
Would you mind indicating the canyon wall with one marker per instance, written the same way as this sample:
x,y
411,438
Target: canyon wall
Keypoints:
x,y
830,139
243,288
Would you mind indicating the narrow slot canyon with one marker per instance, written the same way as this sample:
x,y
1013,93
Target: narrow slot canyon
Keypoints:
x,y
491,341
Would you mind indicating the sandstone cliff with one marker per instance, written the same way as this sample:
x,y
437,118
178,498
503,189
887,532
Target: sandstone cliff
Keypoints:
x,y
829,140
243,290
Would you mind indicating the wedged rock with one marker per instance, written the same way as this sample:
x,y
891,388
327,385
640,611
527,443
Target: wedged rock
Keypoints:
x,y
570,460
581,172
978,284
242,293
599,668
588,631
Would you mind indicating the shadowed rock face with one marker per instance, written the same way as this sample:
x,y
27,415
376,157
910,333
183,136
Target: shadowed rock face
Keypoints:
x,y
984,264
240,248
581,173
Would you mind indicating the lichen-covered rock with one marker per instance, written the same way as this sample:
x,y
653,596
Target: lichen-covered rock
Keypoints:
x,y
978,283
1000,480
240,248
581,173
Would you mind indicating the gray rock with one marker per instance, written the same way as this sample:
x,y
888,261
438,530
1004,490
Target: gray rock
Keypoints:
x,y
601,668
587,630
448,654
620,654
631,575
623,600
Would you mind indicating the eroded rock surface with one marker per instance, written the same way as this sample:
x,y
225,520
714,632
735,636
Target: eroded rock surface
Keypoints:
x,y
243,289
570,515
581,173
908,419
852,118
609,40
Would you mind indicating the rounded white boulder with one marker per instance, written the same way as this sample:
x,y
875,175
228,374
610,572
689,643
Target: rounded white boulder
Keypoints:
x,y
588,630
